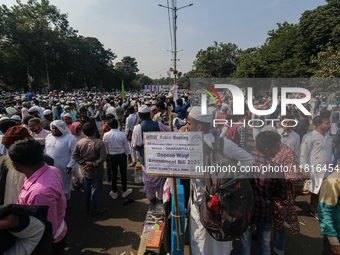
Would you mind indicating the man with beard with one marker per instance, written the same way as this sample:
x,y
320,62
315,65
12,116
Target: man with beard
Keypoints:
x,y
59,145
84,118
36,130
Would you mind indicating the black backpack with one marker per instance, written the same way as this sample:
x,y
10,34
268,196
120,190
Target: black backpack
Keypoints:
x,y
234,193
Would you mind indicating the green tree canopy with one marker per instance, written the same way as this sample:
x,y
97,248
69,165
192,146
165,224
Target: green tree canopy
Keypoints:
x,y
219,61
328,64
320,27
141,80
282,55
36,37
127,70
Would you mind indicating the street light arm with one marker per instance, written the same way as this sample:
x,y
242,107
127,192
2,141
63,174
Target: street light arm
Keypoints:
x,y
185,6
166,7
175,9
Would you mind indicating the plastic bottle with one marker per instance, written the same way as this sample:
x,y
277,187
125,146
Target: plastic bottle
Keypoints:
x,y
213,205
138,173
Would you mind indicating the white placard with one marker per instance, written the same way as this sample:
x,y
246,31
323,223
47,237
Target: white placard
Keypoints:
x,y
173,153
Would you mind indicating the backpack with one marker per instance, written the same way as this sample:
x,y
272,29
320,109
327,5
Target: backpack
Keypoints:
x,y
234,193
220,129
232,134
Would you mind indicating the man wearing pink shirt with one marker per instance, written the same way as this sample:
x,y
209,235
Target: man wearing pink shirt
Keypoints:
x,y
42,186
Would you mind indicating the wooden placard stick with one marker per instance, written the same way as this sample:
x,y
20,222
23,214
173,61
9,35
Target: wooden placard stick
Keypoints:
x,y
174,185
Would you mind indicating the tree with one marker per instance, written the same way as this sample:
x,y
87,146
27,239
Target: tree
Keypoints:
x,y
282,56
140,81
26,29
217,61
320,27
89,61
36,37
127,70
251,64
328,64
327,67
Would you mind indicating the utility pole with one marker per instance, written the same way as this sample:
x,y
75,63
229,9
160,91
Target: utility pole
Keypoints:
x,y
176,210
47,76
175,9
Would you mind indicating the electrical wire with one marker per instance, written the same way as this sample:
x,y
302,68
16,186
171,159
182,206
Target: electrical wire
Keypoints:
x,y
140,43
157,71
171,41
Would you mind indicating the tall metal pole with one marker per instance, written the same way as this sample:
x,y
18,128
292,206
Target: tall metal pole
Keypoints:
x,y
175,9
47,76
176,206
175,45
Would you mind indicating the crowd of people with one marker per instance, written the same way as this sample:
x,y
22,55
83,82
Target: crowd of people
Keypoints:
x,y
58,141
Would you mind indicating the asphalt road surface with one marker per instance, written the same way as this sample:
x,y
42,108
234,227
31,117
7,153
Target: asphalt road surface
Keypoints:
x,y
118,230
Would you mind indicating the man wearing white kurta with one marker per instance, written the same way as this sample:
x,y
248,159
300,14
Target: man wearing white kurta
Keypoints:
x,y
131,122
288,136
199,239
111,109
98,117
316,155
59,145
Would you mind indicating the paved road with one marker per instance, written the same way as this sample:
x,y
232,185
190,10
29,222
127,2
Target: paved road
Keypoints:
x,y
119,229
308,242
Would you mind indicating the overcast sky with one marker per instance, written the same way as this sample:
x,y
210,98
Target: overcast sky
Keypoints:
x,y
140,28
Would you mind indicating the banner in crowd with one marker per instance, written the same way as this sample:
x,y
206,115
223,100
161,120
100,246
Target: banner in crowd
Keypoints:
x,y
171,154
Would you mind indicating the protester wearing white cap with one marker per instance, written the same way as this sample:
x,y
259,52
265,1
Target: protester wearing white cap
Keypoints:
x,y
152,185
205,244
170,102
111,109
11,110
47,112
68,120
46,121
144,109
98,117
154,111
131,121
34,111
17,118
67,109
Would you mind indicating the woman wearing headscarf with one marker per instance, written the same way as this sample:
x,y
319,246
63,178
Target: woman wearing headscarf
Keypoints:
x,y
77,131
59,145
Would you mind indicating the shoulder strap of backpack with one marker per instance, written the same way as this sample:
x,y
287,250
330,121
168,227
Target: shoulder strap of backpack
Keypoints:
x,y
209,152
